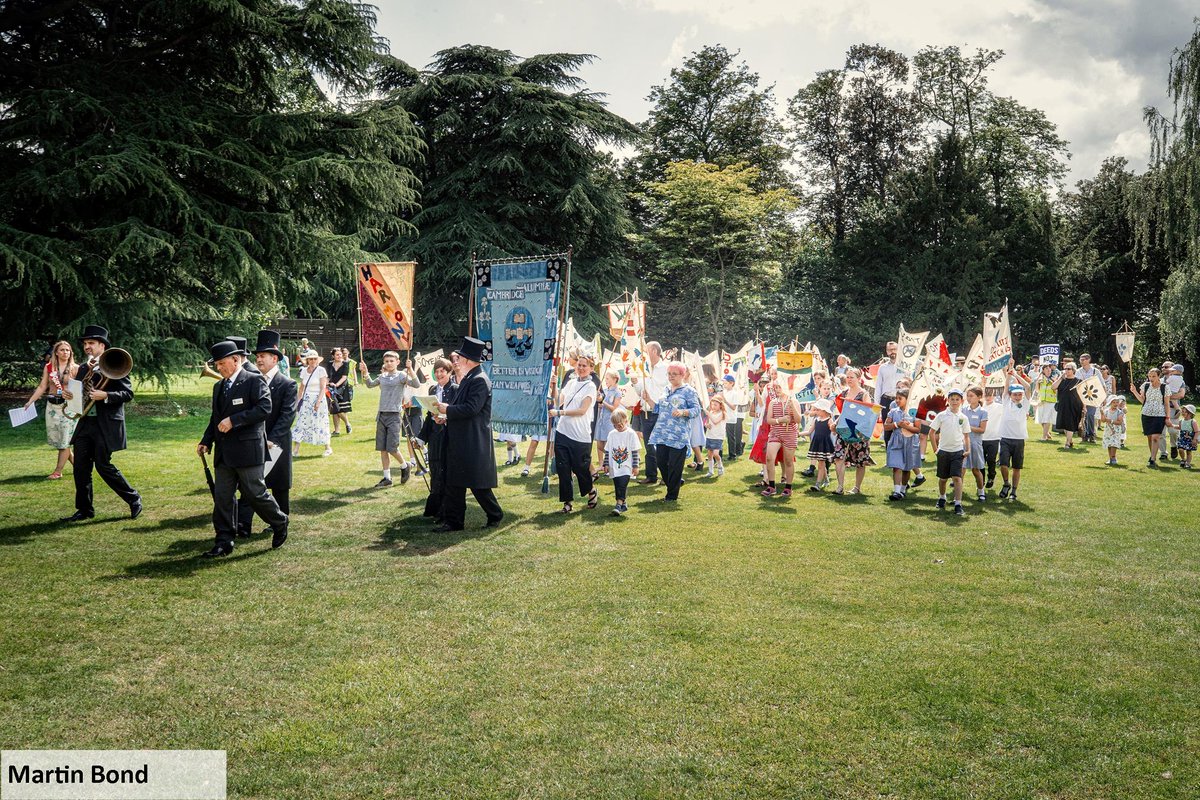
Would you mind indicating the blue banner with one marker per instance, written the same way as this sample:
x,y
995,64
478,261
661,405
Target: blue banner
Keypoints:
x,y
516,314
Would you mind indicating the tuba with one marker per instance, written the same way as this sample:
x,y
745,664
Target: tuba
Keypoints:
x,y
206,371
113,364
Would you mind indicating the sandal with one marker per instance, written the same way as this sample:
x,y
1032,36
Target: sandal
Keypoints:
x,y
53,476
567,508
593,499
768,492
786,493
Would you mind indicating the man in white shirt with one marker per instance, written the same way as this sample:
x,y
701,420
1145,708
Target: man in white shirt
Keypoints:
x,y
1013,433
885,384
1086,371
651,391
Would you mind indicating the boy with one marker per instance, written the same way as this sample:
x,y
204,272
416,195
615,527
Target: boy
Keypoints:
x,y
952,435
1013,434
387,422
621,448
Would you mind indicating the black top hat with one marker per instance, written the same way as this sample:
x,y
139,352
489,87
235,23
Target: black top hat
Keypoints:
x,y
268,342
97,333
471,349
240,341
224,349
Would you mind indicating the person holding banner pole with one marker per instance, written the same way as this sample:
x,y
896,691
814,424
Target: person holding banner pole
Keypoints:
x,y
1086,371
573,434
854,454
388,420
652,390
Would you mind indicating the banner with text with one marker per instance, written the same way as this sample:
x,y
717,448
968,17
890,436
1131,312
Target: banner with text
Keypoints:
x,y
385,293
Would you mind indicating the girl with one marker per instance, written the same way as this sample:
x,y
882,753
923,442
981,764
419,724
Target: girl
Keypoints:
x,y
1153,397
991,435
59,428
511,440
820,446
622,453
903,445
610,401
714,432
1113,417
1045,387
977,419
1187,434
783,415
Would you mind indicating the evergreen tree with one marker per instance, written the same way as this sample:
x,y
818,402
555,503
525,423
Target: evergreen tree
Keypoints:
x,y
166,163
512,168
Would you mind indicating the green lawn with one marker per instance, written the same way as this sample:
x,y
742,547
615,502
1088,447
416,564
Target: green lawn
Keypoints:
x,y
734,647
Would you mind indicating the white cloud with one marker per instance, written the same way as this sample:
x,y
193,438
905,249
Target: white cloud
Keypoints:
x,y
679,47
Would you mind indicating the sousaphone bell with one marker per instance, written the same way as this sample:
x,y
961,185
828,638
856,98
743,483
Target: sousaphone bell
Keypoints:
x,y
113,365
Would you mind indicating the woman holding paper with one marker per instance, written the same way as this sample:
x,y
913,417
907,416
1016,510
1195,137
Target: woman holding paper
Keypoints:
x,y
59,369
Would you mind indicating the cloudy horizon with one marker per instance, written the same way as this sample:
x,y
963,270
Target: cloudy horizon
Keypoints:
x,y
1091,66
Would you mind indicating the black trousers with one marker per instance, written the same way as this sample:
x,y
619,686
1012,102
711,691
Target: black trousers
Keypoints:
x,y
620,485
670,462
648,423
437,489
91,452
572,458
454,505
227,481
733,437
991,451
245,512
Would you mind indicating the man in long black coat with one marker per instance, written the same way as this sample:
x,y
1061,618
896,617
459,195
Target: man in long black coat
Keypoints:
x,y
101,432
269,357
241,404
470,458
433,436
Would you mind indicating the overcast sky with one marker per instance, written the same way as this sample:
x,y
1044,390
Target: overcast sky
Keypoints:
x,y
1091,65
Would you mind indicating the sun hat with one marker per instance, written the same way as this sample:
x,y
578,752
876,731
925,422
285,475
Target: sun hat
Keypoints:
x,y
1191,409
310,353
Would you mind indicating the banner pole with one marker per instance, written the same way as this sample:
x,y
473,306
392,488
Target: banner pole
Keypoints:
x,y
471,300
358,302
559,335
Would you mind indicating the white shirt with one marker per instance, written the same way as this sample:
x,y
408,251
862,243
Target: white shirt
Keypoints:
x,y
952,428
574,394
885,379
622,448
991,433
654,385
271,373
1012,420
311,384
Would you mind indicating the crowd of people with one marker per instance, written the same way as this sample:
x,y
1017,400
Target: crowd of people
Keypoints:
x,y
261,418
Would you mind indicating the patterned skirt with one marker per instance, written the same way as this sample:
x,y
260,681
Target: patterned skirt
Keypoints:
x,y
856,454
312,427
59,429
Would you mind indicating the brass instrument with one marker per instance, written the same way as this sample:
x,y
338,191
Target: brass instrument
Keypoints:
x,y
206,371
113,364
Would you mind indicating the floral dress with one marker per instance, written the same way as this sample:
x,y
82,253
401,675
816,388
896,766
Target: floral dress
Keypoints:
x,y
1114,428
312,413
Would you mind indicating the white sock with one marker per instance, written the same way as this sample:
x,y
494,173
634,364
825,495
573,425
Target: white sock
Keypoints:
x,y
897,488
941,497
387,474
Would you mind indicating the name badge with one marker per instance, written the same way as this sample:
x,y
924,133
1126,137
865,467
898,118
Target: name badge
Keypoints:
x,y
237,401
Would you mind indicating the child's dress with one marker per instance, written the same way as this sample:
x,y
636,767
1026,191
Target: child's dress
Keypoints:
x,y
1187,434
1114,428
604,424
820,448
903,449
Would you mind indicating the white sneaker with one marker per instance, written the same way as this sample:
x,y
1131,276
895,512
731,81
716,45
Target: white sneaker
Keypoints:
x,y
721,470
525,472
710,472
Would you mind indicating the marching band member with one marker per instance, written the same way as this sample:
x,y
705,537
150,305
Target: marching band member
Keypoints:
x,y
270,359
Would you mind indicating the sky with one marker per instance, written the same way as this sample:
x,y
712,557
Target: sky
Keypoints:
x,y
1090,65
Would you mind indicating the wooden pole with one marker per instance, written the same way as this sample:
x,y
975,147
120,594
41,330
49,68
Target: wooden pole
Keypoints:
x,y
564,310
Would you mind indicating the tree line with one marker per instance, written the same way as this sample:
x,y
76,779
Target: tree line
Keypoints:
x,y
175,169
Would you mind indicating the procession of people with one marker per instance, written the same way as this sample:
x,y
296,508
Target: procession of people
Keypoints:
x,y
259,418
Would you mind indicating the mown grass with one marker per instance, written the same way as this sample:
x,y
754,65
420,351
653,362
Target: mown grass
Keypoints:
x,y
818,647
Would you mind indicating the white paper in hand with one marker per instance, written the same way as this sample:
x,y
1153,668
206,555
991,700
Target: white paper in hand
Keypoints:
x,y
19,416
273,453
75,404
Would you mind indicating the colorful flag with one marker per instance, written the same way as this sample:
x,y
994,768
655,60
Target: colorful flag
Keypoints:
x,y
795,369
997,340
389,287
1091,391
620,313
857,421
1049,353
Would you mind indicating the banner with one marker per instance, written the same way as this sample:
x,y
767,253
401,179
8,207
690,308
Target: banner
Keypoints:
x,y
516,314
632,349
423,364
738,365
971,373
795,370
938,369
1125,345
1091,391
621,313
857,422
389,289
910,347
997,340
1049,353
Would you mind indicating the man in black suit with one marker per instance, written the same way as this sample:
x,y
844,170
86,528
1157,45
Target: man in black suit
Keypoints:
x,y
101,432
433,437
470,459
240,406
268,356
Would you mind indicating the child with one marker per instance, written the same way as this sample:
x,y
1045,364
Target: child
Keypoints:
x,y
820,446
952,433
621,450
1187,435
387,421
714,432
1113,417
977,418
511,440
991,436
902,444
1013,434
610,401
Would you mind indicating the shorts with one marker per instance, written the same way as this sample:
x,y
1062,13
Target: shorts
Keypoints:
x,y
949,464
415,417
713,444
1153,426
1012,453
924,428
387,431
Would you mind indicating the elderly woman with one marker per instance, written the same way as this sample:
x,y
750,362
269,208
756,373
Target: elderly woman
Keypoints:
x,y
573,434
854,454
671,438
1069,405
1155,399
59,428
339,387
312,411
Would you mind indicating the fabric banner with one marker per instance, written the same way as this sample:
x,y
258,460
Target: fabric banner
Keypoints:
x,y
1049,353
738,365
795,370
423,364
938,369
389,285
632,350
997,340
516,314
857,422
1091,391
1125,345
373,334
910,347
621,313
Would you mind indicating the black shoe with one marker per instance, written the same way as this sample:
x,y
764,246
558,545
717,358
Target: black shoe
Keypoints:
x,y
918,480
278,537
77,517
958,510
446,528
405,473
243,534
648,482
811,472
895,496
941,504
219,550
1004,490
990,483
494,523
135,509
383,483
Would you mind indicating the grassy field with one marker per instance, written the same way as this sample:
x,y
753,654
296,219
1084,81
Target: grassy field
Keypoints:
x,y
734,647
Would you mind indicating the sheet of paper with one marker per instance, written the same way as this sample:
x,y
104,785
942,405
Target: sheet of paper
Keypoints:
x,y
74,406
428,402
273,453
19,416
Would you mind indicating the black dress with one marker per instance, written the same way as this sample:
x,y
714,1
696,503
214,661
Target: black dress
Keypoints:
x,y
343,393
1070,406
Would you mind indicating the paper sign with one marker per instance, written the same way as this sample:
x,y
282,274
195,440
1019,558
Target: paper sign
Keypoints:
x,y
74,406
19,416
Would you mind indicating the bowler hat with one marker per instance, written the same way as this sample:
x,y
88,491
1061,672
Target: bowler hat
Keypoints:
x,y
240,341
268,342
224,349
95,332
471,349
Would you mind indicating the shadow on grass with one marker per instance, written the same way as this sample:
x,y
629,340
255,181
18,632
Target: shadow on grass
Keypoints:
x,y
312,506
184,523
19,534
1106,467
28,479
186,562
415,536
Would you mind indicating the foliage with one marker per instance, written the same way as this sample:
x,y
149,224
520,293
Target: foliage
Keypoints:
x,y
167,163
513,168
714,241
